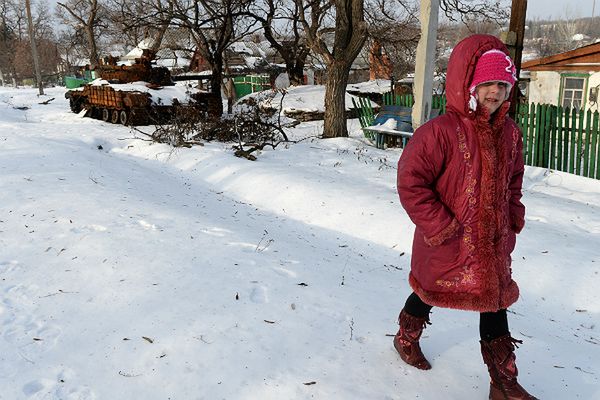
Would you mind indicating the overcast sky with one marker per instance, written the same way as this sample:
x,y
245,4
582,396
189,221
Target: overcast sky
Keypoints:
x,y
541,8
562,8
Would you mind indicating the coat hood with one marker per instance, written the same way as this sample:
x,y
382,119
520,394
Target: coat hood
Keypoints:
x,y
461,68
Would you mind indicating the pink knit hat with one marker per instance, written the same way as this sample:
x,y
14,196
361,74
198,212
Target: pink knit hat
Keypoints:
x,y
492,66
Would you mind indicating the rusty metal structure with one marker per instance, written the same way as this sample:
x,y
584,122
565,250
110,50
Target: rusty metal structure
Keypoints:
x,y
131,107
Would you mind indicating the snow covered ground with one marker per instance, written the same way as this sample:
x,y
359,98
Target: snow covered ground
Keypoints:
x,y
132,271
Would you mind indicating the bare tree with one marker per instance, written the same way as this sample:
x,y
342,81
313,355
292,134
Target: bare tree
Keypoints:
x,y
15,64
19,18
395,26
350,33
49,58
214,25
8,40
34,52
350,29
476,10
141,19
43,23
557,36
566,30
279,20
88,16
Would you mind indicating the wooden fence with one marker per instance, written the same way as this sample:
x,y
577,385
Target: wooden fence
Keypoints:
x,y
407,100
560,139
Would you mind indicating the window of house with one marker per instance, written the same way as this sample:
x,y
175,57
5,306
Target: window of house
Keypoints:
x,y
573,88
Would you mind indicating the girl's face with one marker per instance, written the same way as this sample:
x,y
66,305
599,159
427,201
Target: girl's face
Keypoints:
x,y
491,95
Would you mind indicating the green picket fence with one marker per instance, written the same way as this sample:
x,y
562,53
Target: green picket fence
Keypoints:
x,y
561,139
407,100
245,85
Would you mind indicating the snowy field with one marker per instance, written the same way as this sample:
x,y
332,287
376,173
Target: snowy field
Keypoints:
x,y
132,271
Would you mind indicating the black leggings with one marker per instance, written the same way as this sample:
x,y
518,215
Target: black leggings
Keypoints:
x,y
492,325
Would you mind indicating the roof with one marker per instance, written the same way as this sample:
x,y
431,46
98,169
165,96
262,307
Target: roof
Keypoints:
x,y
586,58
171,54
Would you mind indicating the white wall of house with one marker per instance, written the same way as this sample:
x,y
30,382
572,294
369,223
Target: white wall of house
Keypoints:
x,y
544,88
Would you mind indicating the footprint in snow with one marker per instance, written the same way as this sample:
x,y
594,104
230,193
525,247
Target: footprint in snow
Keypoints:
x,y
62,385
219,232
149,226
260,295
537,218
285,272
8,266
35,387
21,324
19,296
89,229
33,335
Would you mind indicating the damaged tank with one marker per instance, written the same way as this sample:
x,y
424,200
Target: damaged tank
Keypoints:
x,y
138,94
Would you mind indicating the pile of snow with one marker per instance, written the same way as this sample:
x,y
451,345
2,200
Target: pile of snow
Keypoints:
x,y
130,270
244,48
308,98
178,61
374,86
163,95
390,123
578,37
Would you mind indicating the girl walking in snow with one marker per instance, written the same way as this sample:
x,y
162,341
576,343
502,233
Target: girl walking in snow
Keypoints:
x,y
459,180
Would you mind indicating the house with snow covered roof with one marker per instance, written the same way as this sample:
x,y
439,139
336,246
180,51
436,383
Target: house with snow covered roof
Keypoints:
x,y
175,52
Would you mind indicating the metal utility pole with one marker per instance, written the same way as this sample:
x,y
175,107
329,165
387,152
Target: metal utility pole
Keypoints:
x,y
36,62
425,62
514,41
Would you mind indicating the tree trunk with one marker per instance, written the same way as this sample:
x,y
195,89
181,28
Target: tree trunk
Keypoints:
x,y
229,90
295,74
13,74
93,48
350,35
335,101
159,38
34,53
215,88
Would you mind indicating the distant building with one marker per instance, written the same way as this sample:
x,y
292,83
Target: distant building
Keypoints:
x,y
380,65
175,51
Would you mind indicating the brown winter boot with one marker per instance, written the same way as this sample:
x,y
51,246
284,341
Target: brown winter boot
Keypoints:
x,y
406,340
499,356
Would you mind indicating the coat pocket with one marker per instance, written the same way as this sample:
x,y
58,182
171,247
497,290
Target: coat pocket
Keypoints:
x,y
446,253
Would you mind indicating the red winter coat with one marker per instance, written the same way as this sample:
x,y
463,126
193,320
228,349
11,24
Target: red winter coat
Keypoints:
x,y
459,180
